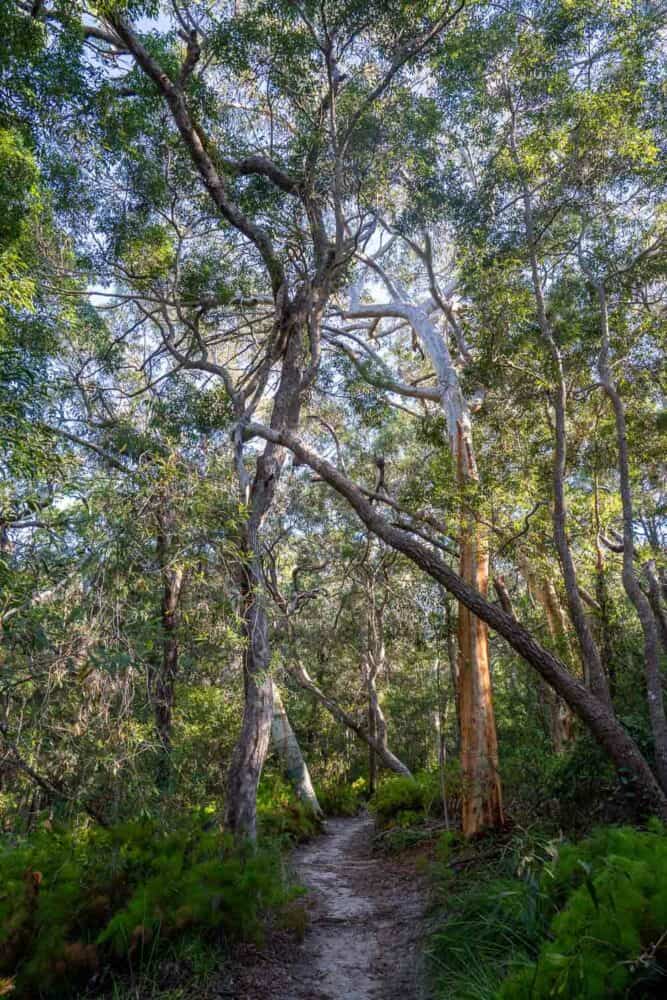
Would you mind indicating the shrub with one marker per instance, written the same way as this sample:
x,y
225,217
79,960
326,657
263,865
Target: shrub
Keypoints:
x,y
609,935
73,899
280,815
585,921
341,798
418,796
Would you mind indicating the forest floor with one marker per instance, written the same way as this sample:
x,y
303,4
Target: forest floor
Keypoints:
x,y
365,924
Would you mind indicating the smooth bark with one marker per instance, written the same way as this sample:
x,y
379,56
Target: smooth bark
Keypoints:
x,y
482,794
593,711
654,692
593,668
287,746
655,599
388,760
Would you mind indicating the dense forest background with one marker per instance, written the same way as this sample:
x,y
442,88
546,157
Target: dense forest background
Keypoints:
x,y
333,472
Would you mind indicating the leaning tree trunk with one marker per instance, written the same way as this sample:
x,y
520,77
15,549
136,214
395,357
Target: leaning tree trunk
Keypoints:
x,y
593,711
656,705
388,760
287,745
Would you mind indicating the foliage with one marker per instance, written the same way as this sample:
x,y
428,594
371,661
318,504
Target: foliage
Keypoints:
x,y
341,798
579,920
404,801
282,816
72,898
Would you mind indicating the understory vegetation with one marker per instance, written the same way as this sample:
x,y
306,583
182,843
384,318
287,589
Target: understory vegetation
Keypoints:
x,y
82,904
533,917
332,479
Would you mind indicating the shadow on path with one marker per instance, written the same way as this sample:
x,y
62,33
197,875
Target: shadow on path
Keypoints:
x,y
365,923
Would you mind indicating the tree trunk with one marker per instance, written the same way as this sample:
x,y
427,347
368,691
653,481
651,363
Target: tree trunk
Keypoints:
x,y
287,746
656,705
253,743
656,602
440,723
372,754
163,675
384,754
482,794
594,712
453,666
482,797
373,664
559,719
251,748
593,668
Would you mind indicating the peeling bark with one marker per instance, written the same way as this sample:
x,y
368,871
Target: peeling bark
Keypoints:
x,y
482,795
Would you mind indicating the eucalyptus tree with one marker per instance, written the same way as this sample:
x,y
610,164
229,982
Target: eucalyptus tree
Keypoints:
x,y
263,109
556,118
482,805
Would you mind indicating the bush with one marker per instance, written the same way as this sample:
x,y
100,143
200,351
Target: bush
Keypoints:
x,y
585,921
280,815
399,799
609,935
340,798
71,900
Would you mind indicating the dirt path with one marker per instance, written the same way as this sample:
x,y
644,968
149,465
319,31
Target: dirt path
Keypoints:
x,y
365,922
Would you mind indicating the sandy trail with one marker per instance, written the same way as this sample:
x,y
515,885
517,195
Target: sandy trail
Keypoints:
x,y
366,917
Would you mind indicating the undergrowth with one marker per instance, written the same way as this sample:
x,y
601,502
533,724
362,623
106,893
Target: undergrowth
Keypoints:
x,y
339,798
409,810
280,815
532,918
75,900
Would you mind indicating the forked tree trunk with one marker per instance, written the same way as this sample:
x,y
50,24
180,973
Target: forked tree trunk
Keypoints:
x,y
253,742
287,746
